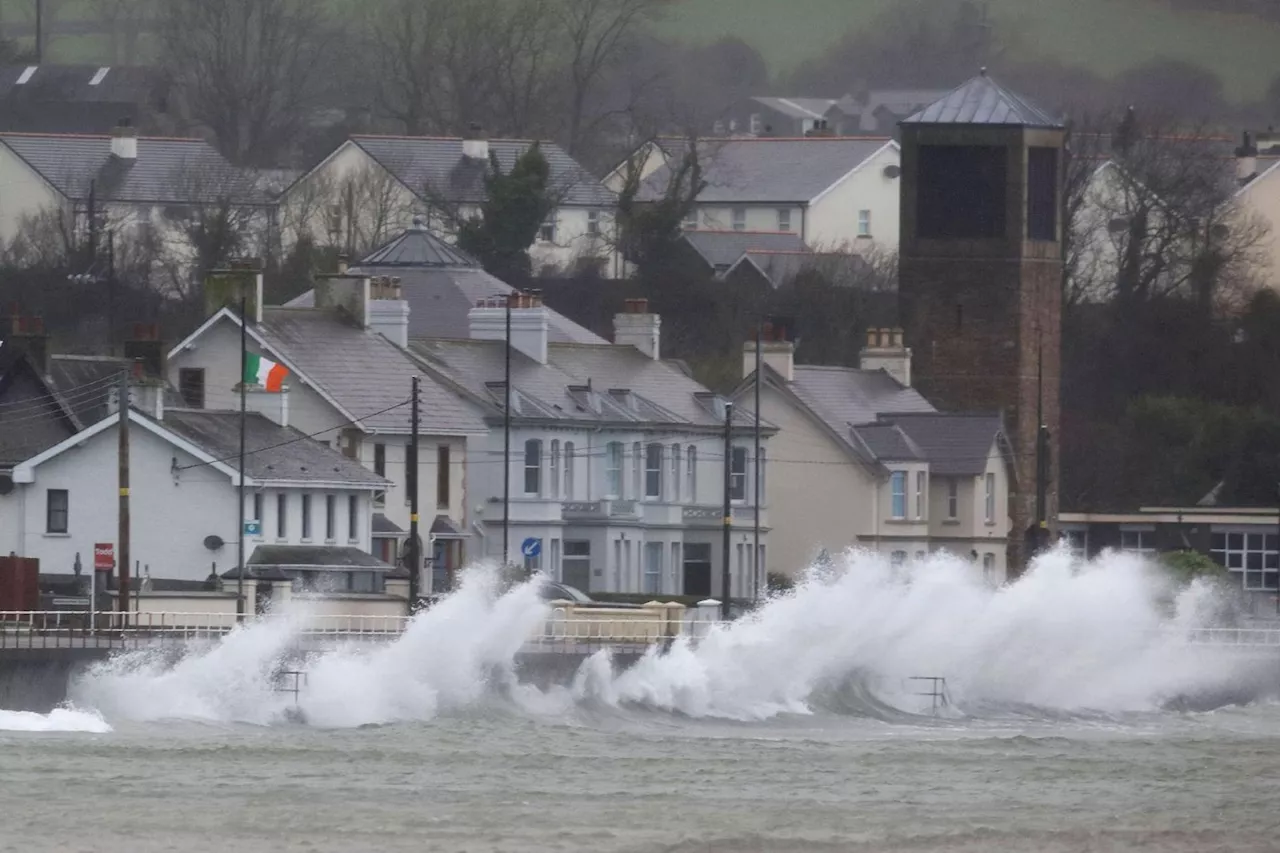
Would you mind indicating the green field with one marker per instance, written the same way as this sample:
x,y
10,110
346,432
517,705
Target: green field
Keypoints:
x,y
1105,35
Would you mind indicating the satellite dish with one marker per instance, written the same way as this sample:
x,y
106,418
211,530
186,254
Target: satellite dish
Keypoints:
x,y
892,171
6,484
213,542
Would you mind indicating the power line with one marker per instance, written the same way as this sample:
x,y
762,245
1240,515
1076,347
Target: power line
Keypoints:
x,y
313,435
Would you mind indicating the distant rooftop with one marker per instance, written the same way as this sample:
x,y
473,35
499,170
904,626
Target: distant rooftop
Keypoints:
x,y
981,100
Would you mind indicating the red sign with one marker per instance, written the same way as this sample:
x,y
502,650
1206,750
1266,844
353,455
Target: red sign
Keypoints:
x,y
104,557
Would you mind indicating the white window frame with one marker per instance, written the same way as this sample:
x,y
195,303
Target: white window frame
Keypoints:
x,y
554,477
1138,540
898,495
569,486
738,475
953,498
738,218
615,452
864,223
990,497
651,582
677,473
653,470
784,219
1236,547
921,494
533,470
593,223
637,470
547,230
691,464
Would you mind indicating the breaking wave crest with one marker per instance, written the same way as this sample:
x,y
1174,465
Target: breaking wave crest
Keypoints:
x,y
1069,637
58,720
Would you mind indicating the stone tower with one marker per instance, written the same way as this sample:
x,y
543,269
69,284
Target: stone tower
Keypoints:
x,y
980,286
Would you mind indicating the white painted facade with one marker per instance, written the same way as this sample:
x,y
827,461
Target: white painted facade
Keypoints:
x,y
384,207
825,499
23,193
216,351
179,496
635,542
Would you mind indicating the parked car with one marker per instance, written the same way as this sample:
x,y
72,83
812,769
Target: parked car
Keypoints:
x,y
556,591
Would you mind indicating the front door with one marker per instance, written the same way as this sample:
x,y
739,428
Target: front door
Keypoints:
x,y
697,569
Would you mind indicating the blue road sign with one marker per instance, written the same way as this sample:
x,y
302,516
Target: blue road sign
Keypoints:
x,y
252,528
531,547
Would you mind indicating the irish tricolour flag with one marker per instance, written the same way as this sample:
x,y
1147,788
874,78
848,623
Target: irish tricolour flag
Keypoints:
x,y
263,372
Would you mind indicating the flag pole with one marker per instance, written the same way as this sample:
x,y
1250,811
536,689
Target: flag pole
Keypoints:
x,y
244,361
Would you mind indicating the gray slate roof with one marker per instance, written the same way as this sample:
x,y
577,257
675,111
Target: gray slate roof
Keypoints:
x,y
767,170
364,372
955,445
385,527
888,443
797,107
982,100
418,247
722,249
32,418
421,162
440,295
273,452
167,171
81,83
626,385
842,396
311,557
779,268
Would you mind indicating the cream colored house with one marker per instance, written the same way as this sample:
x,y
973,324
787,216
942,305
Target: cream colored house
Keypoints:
x,y
860,459
143,189
372,187
833,192
1260,198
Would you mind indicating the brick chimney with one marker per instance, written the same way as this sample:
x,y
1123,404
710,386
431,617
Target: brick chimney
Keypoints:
x,y
639,328
886,351
124,140
27,335
777,351
475,145
144,346
530,323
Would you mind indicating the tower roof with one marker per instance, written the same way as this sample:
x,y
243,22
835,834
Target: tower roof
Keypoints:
x,y
982,100
418,247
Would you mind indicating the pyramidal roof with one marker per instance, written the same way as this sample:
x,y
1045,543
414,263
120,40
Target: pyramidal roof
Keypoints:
x,y
984,101
418,247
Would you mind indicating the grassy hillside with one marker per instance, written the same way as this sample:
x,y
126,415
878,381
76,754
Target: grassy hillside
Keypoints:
x,y
1105,35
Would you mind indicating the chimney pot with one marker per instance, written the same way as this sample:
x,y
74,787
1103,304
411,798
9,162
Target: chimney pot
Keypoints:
x,y
124,141
343,264
475,145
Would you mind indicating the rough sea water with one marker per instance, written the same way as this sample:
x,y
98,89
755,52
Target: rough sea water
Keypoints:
x,y
1078,720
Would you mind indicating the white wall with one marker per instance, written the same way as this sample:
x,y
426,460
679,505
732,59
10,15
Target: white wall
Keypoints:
x,y
23,193
172,511
217,351
833,217
759,217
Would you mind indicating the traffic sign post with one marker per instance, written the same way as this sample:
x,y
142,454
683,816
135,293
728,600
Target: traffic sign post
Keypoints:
x,y
253,528
531,547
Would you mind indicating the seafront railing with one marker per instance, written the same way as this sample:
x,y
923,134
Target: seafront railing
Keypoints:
x,y
60,629
564,629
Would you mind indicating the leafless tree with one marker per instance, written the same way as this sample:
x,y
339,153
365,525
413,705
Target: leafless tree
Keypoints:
x,y
1153,213
247,69
598,34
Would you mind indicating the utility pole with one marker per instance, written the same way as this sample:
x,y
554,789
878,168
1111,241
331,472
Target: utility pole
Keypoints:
x,y
725,586
93,224
39,32
415,558
1042,448
755,559
111,291
244,381
506,447
123,457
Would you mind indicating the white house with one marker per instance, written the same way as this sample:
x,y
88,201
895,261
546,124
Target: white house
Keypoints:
x,y
350,385
833,192
142,188
616,458
863,460
372,187
183,477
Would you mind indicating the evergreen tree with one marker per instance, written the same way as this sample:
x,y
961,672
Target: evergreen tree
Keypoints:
x,y
517,203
